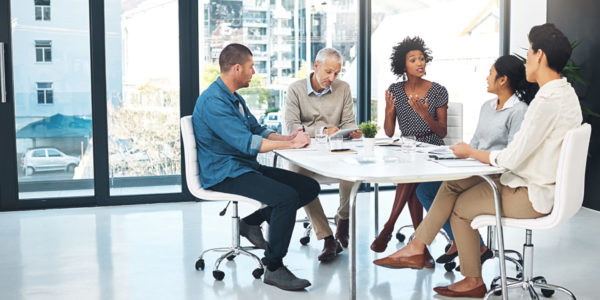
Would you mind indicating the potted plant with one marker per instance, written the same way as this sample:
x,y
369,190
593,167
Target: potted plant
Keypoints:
x,y
369,130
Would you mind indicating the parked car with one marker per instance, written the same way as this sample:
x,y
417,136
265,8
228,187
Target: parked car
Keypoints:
x,y
47,159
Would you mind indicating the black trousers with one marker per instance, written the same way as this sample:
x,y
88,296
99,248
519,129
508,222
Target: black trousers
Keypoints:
x,y
284,192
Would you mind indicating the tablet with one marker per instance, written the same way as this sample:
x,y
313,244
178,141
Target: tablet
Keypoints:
x,y
344,132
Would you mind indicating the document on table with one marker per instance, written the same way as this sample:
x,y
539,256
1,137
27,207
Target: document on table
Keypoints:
x,y
443,152
459,162
388,142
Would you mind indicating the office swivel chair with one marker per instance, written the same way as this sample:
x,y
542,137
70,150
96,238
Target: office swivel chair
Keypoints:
x,y
568,198
192,174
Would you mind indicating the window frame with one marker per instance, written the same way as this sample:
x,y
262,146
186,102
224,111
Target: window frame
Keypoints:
x,y
45,11
46,91
45,51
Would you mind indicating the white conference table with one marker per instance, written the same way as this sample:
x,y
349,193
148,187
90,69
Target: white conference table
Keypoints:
x,y
388,164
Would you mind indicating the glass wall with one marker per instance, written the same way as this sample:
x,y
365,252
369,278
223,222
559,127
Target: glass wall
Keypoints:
x,y
463,36
53,117
142,79
284,36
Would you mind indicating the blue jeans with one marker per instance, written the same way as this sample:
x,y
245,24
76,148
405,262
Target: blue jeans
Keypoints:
x,y
426,193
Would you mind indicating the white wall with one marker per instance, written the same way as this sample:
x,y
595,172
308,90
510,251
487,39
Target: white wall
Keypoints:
x,y
524,15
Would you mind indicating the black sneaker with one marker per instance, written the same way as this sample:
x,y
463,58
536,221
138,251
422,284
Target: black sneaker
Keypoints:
x,y
285,279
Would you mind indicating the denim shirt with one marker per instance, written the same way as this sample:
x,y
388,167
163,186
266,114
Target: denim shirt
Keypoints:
x,y
227,140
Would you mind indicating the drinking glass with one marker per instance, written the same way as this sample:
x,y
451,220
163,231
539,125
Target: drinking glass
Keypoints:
x,y
409,143
321,138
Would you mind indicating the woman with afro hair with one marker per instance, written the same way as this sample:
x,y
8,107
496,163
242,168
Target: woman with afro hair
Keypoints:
x,y
420,106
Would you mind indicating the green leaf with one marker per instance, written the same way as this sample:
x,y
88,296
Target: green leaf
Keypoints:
x,y
368,129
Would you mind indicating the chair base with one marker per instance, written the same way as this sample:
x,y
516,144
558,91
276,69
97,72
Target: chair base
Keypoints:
x,y
526,280
233,251
546,289
230,253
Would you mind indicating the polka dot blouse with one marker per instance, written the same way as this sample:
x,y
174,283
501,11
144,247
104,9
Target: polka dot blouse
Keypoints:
x,y
409,121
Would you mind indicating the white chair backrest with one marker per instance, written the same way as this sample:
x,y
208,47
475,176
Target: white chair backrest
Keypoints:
x,y
190,153
570,174
454,124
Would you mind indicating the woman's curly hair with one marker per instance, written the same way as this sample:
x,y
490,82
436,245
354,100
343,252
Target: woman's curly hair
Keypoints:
x,y
399,53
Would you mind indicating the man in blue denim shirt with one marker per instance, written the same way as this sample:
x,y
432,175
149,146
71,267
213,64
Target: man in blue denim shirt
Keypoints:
x,y
229,138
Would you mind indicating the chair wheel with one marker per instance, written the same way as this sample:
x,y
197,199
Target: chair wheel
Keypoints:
x,y
496,293
218,275
230,257
401,237
305,224
449,266
258,272
200,264
264,261
547,293
305,240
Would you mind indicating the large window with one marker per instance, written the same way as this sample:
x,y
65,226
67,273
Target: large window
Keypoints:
x,y
53,113
463,46
284,36
43,51
42,10
142,62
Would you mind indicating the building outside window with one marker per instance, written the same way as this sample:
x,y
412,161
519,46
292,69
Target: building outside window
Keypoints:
x,y
42,10
43,51
45,93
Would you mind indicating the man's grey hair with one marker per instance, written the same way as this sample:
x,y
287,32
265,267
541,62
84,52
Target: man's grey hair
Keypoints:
x,y
326,53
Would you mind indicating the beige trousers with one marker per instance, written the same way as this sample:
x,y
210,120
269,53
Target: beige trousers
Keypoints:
x,y
314,209
463,200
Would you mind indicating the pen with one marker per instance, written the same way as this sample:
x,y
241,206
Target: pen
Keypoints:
x,y
303,129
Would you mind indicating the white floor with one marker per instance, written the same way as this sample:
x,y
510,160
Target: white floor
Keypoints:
x,y
149,251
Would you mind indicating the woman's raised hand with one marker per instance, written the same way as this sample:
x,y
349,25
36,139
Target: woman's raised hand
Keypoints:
x,y
389,100
421,108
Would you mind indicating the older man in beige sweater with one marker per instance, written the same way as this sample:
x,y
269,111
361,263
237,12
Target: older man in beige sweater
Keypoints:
x,y
321,101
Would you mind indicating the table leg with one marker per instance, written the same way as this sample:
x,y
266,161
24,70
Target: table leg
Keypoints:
x,y
376,209
352,245
499,234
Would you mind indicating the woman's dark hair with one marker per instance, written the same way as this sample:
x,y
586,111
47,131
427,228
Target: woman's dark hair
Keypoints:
x,y
513,68
399,53
553,42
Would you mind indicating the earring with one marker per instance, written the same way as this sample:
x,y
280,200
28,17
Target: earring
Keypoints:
x,y
404,76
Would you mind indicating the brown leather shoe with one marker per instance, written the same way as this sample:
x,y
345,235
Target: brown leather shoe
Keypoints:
x,y
381,242
331,248
341,233
478,292
418,261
